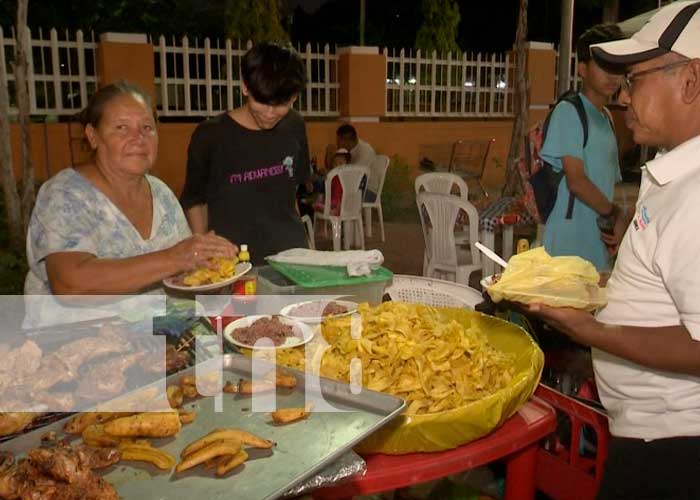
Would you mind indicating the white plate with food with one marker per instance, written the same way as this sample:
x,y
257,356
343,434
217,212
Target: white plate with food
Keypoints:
x,y
202,280
281,332
314,312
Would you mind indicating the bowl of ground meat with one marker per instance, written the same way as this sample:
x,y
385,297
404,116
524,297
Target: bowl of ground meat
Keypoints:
x,y
267,332
315,311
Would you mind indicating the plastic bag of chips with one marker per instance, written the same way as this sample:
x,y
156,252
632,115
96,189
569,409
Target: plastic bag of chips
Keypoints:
x,y
536,277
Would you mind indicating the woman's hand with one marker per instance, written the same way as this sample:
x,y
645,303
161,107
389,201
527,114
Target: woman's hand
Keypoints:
x,y
195,251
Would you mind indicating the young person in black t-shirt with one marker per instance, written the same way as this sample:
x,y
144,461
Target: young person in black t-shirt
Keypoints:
x,y
244,166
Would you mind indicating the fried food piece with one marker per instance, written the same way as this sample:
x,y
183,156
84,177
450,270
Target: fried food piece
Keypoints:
x,y
95,435
13,422
189,391
147,453
227,464
156,424
221,269
230,387
175,396
227,434
186,417
214,449
188,380
285,380
248,387
82,421
289,415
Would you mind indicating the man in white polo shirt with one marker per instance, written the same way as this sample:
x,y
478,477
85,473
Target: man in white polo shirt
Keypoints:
x,y
646,342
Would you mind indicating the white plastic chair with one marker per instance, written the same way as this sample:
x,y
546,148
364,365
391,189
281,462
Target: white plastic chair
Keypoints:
x,y
440,243
432,292
441,183
375,183
350,177
309,227
444,183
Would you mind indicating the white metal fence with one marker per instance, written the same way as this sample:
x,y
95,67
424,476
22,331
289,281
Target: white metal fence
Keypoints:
x,y
61,71
204,78
473,85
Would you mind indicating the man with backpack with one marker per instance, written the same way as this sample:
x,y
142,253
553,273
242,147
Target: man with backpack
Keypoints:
x,y
580,142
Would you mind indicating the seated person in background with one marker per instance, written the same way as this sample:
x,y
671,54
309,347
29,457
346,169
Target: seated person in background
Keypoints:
x,y
108,227
361,152
340,157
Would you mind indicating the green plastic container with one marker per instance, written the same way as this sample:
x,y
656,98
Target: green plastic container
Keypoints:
x,y
285,279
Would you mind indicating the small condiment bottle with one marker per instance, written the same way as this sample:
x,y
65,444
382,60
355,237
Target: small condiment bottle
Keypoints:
x,y
243,255
247,285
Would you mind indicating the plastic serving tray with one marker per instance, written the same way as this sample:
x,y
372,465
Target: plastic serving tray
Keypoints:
x,y
322,276
363,289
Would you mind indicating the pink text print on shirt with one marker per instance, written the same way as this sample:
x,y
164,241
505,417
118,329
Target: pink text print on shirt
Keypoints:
x,y
263,173
641,219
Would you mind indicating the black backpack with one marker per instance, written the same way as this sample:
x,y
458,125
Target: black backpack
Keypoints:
x,y
542,177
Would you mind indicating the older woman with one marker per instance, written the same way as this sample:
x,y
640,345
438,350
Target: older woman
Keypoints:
x,y
108,227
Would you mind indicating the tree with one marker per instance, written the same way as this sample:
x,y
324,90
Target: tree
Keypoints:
x,y
256,20
439,29
521,103
18,211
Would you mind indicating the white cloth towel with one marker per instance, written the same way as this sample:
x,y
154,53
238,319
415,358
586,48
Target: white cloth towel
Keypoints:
x,y
357,262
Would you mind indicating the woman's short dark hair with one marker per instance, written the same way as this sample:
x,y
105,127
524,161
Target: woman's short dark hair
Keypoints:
x,y
272,73
600,33
92,114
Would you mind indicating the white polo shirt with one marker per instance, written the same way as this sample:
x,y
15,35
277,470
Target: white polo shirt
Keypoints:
x,y
656,282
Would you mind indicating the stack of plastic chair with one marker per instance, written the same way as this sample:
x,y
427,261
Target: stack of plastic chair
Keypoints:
x,y
439,219
442,183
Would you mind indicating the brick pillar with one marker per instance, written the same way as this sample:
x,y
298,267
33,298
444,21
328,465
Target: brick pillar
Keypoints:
x,y
126,56
541,69
362,76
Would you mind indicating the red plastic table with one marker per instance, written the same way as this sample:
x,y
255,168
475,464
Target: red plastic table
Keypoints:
x,y
515,442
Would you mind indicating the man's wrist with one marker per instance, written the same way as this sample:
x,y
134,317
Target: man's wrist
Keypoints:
x,y
613,212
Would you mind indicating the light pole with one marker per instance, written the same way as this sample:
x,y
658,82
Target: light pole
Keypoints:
x,y
565,39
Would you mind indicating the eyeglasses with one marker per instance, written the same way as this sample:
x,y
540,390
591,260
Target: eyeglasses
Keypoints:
x,y
629,78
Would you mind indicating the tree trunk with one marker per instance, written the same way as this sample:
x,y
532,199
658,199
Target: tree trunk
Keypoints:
x,y
22,47
7,175
521,102
611,11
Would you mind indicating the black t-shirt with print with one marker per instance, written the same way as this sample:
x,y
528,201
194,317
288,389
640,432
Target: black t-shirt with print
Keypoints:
x,y
248,179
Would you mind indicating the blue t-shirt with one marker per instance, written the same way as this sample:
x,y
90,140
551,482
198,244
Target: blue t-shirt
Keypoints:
x,y
580,235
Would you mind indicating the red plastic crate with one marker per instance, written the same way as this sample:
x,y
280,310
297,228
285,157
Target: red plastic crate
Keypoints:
x,y
562,472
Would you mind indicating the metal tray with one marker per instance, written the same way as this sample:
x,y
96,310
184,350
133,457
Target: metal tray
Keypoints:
x,y
302,449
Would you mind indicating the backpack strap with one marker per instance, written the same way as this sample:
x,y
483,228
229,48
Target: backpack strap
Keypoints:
x,y
575,100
